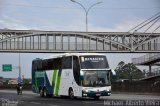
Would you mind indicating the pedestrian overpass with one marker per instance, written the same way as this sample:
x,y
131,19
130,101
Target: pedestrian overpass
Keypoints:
x,y
35,41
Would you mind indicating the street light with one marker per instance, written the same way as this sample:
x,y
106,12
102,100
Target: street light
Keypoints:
x,y
86,11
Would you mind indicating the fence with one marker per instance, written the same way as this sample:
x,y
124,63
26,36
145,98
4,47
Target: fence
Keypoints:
x,y
146,58
137,86
14,86
154,72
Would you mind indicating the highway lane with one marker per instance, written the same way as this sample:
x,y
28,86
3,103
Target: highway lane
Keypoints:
x,y
30,99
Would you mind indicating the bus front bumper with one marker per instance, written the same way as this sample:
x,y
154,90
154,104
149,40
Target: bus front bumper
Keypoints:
x,y
96,94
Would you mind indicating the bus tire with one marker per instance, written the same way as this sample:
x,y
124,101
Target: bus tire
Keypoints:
x,y
44,92
49,95
41,92
71,93
97,97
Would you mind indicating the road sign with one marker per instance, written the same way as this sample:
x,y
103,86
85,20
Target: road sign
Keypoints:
x,y
7,67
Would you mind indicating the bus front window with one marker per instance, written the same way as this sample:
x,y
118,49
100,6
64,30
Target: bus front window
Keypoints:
x,y
93,62
96,78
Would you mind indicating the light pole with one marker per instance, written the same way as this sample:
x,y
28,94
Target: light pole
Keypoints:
x,y
86,11
19,65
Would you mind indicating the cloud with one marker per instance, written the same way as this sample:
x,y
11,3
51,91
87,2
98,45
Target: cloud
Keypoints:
x,y
75,25
11,23
79,25
125,26
2,4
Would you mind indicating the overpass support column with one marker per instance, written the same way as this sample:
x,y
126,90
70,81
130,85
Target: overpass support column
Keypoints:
x,y
150,70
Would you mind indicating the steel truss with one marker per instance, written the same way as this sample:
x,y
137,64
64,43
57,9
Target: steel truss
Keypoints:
x,y
67,41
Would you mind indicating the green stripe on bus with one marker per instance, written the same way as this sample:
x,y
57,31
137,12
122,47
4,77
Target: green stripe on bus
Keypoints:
x,y
37,88
54,78
57,85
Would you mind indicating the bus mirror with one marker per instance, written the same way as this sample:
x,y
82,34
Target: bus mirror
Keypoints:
x,y
113,74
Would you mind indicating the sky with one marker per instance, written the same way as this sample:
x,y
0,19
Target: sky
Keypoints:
x,y
64,15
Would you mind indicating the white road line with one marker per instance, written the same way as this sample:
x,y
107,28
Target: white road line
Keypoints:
x,y
36,103
52,105
90,102
100,103
3,99
27,97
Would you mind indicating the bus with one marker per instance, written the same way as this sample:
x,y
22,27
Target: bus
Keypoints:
x,y
73,75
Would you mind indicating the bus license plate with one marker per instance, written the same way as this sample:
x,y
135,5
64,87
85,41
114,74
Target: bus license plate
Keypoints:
x,y
98,94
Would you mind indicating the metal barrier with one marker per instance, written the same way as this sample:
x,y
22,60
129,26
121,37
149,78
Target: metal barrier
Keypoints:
x,y
146,58
154,72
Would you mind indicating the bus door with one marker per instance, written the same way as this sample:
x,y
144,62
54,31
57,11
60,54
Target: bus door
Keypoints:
x,y
76,74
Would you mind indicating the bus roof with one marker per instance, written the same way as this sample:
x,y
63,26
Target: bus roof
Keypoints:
x,y
73,54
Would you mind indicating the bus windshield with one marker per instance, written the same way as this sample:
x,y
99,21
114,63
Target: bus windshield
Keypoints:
x,y
93,62
96,78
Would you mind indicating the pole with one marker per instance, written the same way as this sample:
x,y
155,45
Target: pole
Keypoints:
x,y
86,22
86,11
19,66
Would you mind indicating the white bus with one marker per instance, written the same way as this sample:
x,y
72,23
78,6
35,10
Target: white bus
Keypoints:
x,y
73,75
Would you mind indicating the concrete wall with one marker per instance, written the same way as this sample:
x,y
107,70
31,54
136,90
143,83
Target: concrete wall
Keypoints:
x,y
136,86
14,86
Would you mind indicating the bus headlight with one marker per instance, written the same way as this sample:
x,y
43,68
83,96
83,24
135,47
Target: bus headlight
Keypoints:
x,y
108,90
84,91
84,94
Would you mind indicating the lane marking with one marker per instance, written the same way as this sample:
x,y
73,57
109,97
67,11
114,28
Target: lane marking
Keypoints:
x,y
26,97
53,105
90,102
35,103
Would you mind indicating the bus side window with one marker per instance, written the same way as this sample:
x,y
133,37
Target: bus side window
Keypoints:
x,y
52,64
67,63
76,70
37,65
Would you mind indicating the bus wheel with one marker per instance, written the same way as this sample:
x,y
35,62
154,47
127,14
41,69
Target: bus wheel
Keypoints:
x,y
49,95
96,98
71,94
41,92
45,93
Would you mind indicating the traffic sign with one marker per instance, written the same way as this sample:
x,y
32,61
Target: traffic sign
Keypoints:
x,y
7,67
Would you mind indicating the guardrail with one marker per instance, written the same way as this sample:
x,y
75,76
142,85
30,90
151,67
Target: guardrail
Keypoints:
x,y
14,86
137,86
154,72
146,58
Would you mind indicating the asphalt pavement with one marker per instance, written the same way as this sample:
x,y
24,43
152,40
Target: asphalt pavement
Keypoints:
x,y
10,98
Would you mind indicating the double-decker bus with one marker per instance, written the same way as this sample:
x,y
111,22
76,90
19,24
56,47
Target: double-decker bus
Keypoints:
x,y
73,75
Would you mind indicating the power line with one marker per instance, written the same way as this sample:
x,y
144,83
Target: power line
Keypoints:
x,y
152,25
146,22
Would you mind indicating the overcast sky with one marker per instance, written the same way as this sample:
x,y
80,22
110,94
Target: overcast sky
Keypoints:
x,y
111,15
64,15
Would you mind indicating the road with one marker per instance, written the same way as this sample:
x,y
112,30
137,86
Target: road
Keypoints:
x,y
30,99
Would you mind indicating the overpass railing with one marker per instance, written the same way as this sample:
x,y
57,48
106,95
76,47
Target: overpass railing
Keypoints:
x,y
146,58
154,72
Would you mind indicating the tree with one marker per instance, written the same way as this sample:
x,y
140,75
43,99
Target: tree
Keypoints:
x,y
26,81
128,71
